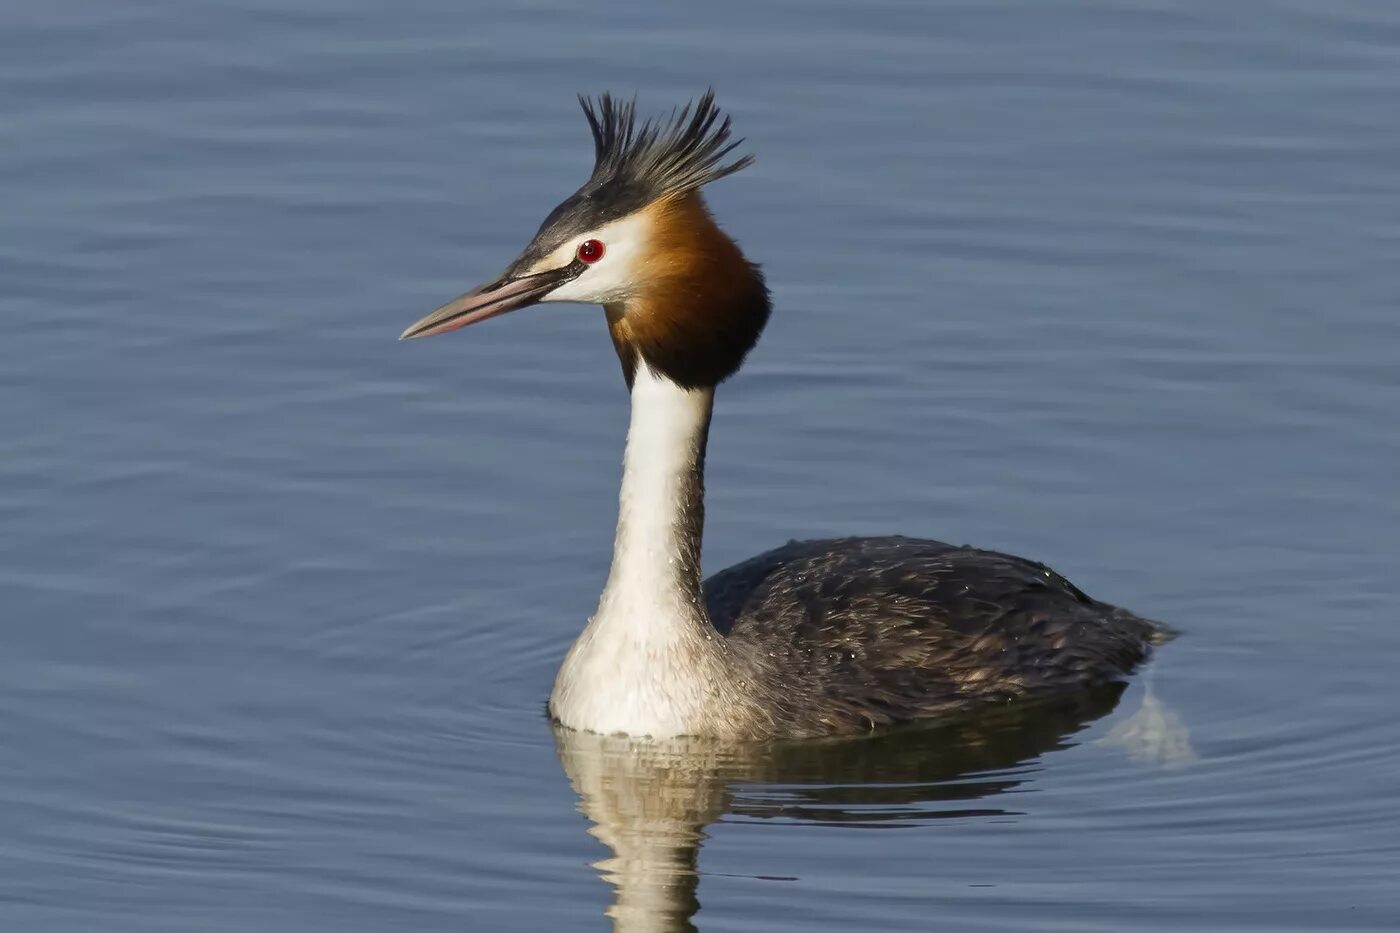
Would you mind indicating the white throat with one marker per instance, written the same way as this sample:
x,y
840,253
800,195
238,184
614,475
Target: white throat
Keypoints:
x,y
647,662
661,506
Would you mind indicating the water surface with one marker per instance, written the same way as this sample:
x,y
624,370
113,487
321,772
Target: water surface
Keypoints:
x,y
1110,284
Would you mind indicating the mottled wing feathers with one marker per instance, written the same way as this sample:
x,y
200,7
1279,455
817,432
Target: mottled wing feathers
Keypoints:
x,y
870,631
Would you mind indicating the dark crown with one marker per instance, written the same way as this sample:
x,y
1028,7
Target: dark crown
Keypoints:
x,y
657,158
636,164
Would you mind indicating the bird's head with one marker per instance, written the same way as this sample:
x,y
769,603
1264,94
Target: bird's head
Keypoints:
x,y
637,239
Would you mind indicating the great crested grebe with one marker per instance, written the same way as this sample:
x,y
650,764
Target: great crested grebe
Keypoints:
x,y
812,638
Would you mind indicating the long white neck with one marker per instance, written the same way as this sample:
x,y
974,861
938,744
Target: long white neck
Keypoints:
x,y
647,662
661,509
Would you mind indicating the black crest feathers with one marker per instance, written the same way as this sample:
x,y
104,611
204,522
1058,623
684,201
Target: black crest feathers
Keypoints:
x,y
656,158
636,163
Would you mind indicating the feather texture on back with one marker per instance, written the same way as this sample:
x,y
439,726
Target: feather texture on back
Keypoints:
x,y
855,633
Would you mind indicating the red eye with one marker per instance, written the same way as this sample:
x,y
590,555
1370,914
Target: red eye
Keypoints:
x,y
590,251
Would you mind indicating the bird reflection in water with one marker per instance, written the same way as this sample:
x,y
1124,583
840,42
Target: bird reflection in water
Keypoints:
x,y
651,800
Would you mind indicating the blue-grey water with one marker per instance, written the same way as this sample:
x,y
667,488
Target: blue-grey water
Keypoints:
x,y
1111,284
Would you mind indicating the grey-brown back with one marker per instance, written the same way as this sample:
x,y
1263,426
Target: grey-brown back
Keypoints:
x,y
843,635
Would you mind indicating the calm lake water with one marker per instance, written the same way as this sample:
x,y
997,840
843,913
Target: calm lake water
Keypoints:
x,y
1109,284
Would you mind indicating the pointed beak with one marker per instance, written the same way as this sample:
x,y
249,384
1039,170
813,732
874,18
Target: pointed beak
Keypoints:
x,y
505,294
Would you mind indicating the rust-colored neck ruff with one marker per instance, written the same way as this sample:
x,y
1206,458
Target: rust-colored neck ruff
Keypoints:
x,y
699,306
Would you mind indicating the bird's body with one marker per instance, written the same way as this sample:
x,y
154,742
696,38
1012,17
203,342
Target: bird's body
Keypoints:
x,y
812,638
815,637
854,633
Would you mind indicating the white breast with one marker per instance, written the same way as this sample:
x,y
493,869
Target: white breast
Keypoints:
x,y
645,665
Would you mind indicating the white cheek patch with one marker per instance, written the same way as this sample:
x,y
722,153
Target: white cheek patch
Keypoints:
x,y
610,278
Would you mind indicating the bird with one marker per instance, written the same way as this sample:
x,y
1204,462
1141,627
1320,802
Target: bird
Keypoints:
x,y
814,638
